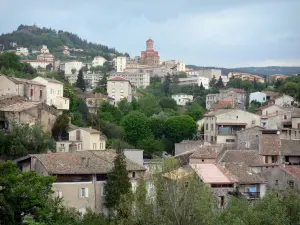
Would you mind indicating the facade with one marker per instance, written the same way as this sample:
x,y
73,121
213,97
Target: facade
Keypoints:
x,y
139,80
91,79
120,63
150,57
119,88
80,176
182,99
46,57
222,125
180,67
44,49
84,139
28,112
38,64
211,99
248,138
284,101
204,81
73,67
98,61
258,96
66,52
94,101
55,90
29,89
22,51
188,81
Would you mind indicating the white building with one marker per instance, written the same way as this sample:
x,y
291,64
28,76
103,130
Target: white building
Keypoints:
x,y
120,63
98,61
188,81
46,57
140,80
119,88
37,64
284,101
204,81
22,51
73,66
180,67
91,80
44,49
182,99
258,96
55,90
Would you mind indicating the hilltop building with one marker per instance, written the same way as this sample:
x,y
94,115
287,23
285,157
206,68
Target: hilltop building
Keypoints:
x,y
149,57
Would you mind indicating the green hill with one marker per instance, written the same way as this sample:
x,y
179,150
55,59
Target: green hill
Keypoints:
x,y
34,37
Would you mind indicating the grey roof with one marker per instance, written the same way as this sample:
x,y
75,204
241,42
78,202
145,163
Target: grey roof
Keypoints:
x,y
290,147
207,152
22,81
82,162
218,112
52,80
20,106
244,174
251,128
249,157
269,144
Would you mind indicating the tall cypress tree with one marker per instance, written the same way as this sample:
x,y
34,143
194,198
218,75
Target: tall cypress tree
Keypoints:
x,y
118,183
219,84
80,83
167,84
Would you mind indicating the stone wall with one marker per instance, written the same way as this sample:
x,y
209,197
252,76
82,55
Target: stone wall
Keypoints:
x,y
248,138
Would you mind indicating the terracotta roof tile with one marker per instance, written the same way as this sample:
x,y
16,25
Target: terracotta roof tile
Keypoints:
x,y
207,152
292,170
269,144
118,79
249,157
20,106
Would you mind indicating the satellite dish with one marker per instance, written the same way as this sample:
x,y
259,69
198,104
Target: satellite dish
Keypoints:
x,y
278,132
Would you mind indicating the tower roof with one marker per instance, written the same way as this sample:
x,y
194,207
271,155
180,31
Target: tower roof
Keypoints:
x,y
149,40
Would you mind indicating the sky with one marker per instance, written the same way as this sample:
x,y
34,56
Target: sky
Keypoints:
x,y
224,33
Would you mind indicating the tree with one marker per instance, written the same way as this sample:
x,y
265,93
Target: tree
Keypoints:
x,y
60,127
220,83
80,83
291,88
151,146
111,130
73,71
201,86
70,93
110,113
103,84
118,183
212,82
24,139
157,126
168,103
195,111
9,60
21,193
179,128
82,109
124,106
167,84
136,127
49,67
149,105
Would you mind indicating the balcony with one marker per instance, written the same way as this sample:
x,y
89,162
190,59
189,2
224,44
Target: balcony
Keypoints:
x,y
251,195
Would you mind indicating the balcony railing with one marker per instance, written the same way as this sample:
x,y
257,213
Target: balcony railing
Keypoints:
x,y
252,195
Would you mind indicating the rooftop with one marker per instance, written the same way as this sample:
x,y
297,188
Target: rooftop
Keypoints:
x,y
290,147
218,112
207,152
52,80
118,79
178,174
269,144
249,157
23,81
213,174
292,170
82,162
20,106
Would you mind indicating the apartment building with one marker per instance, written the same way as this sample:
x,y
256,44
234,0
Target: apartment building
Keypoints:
x,y
221,126
73,67
120,63
22,51
55,91
139,80
98,61
204,81
91,79
80,176
119,88
207,73
29,89
182,99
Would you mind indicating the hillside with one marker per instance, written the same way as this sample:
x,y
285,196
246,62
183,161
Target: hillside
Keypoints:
x,y
263,71
34,37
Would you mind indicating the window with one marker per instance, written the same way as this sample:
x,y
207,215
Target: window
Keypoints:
x,y
221,200
276,182
31,92
206,126
122,96
41,93
62,145
247,144
237,117
291,184
77,135
94,145
122,90
266,159
103,190
80,146
83,192
212,138
202,160
82,211
285,117
230,140
52,91
133,174
274,158
59,194
212,127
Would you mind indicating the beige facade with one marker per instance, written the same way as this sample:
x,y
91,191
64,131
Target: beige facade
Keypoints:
x,y
94,101
55,90
119,88
29,89
284,100
221,126
139,80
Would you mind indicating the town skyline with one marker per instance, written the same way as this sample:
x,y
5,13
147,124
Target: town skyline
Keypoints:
x,y
228,34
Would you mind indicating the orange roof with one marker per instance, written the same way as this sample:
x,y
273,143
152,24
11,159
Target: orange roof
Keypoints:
x,y
118,79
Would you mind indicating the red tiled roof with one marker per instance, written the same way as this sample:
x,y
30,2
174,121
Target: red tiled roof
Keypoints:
x,y
292,170
118,79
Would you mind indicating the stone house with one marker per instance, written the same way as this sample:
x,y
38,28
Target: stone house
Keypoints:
x,y
283,177
284,101
296,118
80,176
211,99
248,138
29,89
28,112
221,126
271,95
207,154
251,183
